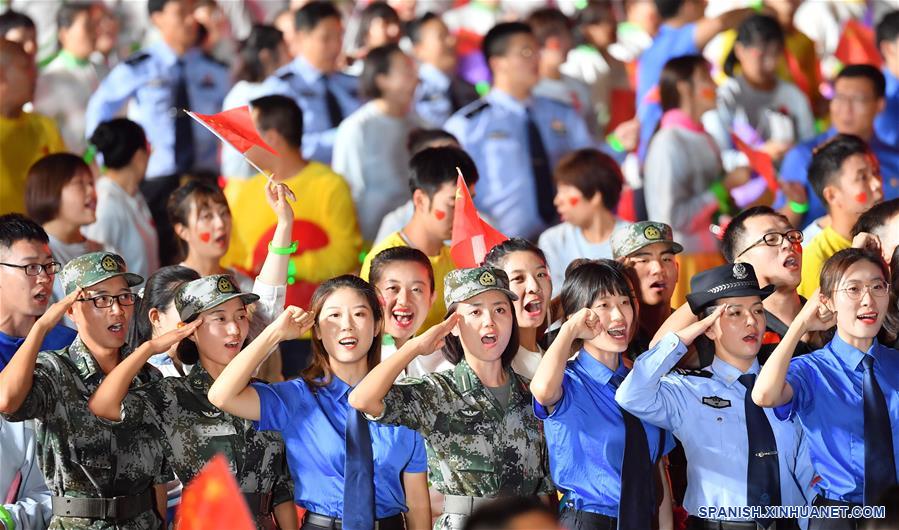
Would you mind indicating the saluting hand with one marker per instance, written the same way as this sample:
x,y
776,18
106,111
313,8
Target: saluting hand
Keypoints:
x,y
694,330
293,323
584,324
433,339
814,315
164,342
55,312
279,197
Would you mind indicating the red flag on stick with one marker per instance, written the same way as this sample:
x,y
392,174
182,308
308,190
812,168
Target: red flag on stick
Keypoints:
x,y
857,45
760,162
235,127
472,237
214,500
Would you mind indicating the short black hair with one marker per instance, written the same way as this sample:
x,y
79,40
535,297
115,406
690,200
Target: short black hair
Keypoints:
x,y
731,241
154,6
591,171
888,28
372,12
10,20
496,42
16,227
281,114
828,160
866,71
376,63
262,38
668,8
497,514
312,14
68,13
497,255
420,139
118,140
548,22
413,29
432,168
398,254
876,217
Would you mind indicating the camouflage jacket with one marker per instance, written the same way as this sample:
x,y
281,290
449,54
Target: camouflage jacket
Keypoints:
x,y
195,430
82,455
475,447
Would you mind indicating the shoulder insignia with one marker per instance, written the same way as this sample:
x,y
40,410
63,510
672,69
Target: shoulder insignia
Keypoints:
x,y
286,76
476,108
211,58
137,58
692,372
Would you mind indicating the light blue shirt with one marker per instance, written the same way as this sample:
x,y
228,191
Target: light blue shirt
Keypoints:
x,y
706,412
827,399
312,421
887,122
306,85
565,242
147,79
585,436
432,101
493,130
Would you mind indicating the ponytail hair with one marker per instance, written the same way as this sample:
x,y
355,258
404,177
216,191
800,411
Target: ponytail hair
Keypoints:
x,y
755,31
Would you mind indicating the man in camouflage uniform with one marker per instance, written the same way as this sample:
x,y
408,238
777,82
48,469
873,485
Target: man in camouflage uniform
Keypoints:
x,y
102,476
194,429
477,448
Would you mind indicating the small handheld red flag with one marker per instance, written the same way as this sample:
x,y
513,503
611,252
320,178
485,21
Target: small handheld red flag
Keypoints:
x,y
472,237
214,500
760,162
857,45
235,127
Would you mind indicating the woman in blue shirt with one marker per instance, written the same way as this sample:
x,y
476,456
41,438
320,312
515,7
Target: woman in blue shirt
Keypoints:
x,y
327,441
846,394
599,454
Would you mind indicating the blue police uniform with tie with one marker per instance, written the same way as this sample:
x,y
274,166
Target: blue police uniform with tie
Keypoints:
x,y
515,144
438,95
326,99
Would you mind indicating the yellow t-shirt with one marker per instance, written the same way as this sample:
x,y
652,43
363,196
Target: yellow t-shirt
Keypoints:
x,y
23,141
819,250
441,263
324,226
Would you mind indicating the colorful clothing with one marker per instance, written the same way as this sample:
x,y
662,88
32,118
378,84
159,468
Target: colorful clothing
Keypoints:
x,y
819,250
31,137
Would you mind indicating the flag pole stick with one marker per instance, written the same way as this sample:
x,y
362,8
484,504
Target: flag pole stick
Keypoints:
x,y
268,176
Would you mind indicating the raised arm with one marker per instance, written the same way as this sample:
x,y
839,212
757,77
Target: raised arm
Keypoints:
x,y
274,268
771,388
707,28
17,377
232,392
547,383
368,396
107,399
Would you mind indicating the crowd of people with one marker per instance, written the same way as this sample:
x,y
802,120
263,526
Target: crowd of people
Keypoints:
x,y
691,320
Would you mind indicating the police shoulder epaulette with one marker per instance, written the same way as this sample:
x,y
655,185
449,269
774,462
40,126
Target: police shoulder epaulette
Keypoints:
x,y
692,372
137,58
211,58
477,108
286,76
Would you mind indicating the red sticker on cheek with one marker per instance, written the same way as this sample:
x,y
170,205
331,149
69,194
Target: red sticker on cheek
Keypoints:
x,y
440,215
574,201
205,237
861,198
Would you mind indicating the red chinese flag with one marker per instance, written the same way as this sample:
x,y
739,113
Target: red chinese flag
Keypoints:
x,y
857,45
234,127
213,500
472,237
622,107
759,162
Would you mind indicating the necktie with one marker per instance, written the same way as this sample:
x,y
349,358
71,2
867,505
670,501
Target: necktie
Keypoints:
x,y
546,191
184,133
763,482
359,475
880,464
636,506
335,113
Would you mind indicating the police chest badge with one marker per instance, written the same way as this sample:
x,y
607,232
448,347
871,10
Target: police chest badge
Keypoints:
x,y
225,286
558,127
108,264
739,271
487,279
652,233
716,402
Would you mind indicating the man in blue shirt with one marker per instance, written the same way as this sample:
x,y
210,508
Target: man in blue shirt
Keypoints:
x,y
858,98
325,95
160,81
515,138
887,122
27,270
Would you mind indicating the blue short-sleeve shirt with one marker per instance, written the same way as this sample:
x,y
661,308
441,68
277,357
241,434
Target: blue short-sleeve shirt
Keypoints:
x,y
57,338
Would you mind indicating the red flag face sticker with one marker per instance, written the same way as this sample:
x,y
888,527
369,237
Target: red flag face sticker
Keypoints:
x,y
205,237
440,215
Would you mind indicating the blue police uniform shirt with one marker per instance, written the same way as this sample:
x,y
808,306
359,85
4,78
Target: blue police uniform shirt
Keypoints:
x,y
794,168
886,124
706,412
312,421
305,84
493,130
148,79
827,399
58,338
585,437
432,102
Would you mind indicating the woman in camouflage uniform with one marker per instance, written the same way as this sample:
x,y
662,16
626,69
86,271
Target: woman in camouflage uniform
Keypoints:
x,y
482,436
102,476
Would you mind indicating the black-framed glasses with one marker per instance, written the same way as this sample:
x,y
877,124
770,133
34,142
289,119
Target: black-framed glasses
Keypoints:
x,y
775,239
106,300
877,288
35,269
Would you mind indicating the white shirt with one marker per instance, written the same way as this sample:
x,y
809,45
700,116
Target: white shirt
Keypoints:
x,y
419,366
31,508
63,89
124,222
565,242
526,362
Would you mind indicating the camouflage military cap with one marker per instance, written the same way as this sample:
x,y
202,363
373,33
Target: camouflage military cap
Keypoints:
x,y
90,269
209,291
629,239
462,284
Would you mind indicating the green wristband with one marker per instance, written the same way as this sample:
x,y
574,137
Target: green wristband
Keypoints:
x,y
283,251
6,519
615,143
720,192
798,207
757,5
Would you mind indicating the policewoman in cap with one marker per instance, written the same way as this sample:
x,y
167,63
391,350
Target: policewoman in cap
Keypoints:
x,y
193,429
101,476
738,454
483,439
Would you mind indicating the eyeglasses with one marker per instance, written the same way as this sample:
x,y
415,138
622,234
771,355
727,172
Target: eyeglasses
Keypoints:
x,y
852,100
35,269
775,239
106,300
878,289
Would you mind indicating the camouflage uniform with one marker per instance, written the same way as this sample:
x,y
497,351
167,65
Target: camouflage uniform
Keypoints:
x,y
475,447
80,454
631,238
